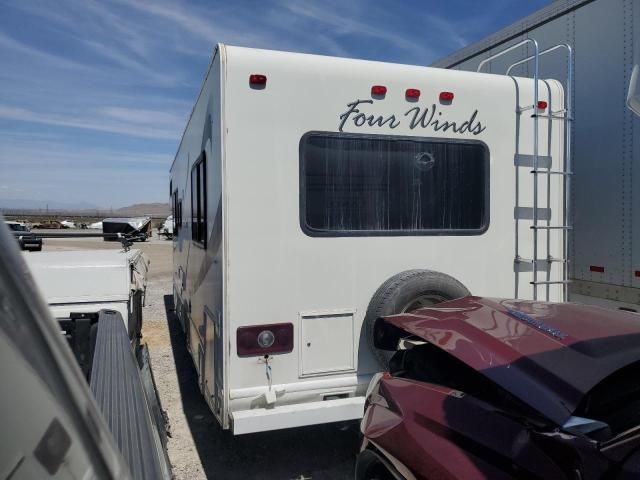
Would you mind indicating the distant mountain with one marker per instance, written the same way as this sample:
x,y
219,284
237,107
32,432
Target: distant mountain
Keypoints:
x,y
41,207
24,204
153,209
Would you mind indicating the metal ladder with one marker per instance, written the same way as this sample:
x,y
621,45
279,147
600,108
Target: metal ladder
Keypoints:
x,y
541,166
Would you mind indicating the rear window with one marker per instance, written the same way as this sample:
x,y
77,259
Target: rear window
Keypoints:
x,y
387,185
16,227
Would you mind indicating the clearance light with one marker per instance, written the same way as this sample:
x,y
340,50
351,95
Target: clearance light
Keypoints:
x,y
446,96
637,273
542,105
596,268
259,340
412,93
378,90
257,79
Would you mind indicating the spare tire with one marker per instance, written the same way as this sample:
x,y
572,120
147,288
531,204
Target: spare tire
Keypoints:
x,y
407,291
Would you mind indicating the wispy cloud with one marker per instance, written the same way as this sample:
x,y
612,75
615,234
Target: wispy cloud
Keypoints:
x,y
97,89
111,119
49,59
343,24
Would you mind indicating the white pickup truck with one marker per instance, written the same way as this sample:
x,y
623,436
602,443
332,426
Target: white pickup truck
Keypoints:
x,y
82,404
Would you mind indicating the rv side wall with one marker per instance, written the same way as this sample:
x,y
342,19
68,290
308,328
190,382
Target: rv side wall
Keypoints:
x,y
198,240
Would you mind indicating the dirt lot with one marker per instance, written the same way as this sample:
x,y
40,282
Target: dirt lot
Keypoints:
x,y
198,448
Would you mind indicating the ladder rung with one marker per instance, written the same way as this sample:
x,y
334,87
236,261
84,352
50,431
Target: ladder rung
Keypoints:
x,y
526,265
541,260
522,160
524,109
557,260
550,172
526,213
550,282
551,117
551,227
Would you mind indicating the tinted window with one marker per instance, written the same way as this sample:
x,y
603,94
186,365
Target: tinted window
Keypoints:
x,y
177,213
199,200
381,185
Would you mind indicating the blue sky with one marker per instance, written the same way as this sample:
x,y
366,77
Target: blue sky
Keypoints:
x,y
94,94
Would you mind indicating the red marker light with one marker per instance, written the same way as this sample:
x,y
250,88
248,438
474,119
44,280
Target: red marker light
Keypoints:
x,y
378,90
596,268
637,273
257,79
412,93
542,105
446,96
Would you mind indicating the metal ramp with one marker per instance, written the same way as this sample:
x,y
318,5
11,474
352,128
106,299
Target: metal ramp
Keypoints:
x,y
540,169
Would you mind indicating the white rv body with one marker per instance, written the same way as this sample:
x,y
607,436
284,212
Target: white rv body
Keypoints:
x,y
258,263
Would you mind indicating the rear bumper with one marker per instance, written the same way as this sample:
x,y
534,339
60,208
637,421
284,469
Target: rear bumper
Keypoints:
x,y
297,415
30,243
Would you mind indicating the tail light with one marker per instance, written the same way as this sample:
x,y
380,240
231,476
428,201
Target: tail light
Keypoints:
x,y
258,340
257,79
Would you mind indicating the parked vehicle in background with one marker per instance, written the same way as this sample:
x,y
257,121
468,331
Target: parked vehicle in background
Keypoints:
x,y
481,388
136,228
48,225
95,226
605,34
390,188
167,227
67,224
26,239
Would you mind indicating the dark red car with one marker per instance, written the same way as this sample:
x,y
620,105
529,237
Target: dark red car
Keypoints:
x,y
483,388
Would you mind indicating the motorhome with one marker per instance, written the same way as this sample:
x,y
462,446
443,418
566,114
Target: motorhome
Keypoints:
x,y
313,194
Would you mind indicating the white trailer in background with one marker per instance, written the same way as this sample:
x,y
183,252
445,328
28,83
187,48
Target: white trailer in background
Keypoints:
x,y
605,241
312,194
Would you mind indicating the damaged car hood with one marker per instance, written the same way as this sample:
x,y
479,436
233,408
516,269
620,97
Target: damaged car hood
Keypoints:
x,y
549,355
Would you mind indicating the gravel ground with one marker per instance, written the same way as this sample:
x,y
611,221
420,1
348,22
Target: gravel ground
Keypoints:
x,y
198,447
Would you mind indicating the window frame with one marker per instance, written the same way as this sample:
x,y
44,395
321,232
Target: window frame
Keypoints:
x,y
313,232
177,212
199,201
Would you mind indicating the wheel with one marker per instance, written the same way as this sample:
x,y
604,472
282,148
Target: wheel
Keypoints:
x,y
405,292
370,467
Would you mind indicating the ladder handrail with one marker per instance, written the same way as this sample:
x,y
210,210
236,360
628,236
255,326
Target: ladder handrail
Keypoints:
x,y
510,49
536,55
540,54
567,141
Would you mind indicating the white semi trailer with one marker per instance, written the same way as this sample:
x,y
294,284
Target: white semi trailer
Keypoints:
x,y
312,194
605,240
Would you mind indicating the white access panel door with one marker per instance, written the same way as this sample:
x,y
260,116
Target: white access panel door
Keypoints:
x,y
326,342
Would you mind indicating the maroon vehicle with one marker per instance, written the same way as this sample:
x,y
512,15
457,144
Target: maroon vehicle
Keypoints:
x,y
483,388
